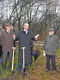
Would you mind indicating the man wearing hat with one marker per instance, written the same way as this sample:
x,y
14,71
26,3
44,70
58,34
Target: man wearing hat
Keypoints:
x,y
51,44
7,44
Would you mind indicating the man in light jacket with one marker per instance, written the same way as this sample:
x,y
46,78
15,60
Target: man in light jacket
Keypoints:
x,y
51,44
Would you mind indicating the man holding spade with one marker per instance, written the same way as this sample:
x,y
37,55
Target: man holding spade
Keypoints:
x,y
24,37
7,40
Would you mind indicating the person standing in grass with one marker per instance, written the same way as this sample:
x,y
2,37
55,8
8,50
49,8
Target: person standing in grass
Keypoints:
x,y
51,44
7,39
25,36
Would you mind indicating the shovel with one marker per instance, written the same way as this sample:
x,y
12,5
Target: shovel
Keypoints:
x,y
12,68
24,74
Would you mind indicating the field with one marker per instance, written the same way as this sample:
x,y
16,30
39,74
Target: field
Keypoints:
x,y
36,71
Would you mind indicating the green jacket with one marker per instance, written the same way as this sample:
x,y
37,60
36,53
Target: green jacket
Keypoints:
x,y
51,44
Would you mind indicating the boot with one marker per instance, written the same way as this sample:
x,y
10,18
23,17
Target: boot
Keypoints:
x,y
3,69
10,65
0,61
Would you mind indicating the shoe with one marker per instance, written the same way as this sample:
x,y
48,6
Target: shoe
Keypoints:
x,y
24,75
19,73
3,68
3,71
46,70
0,61
54,71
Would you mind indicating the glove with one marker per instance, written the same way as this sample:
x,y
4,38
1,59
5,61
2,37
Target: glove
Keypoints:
x,y
44,53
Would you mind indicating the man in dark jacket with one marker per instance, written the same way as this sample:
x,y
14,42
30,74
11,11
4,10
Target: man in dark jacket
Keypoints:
x,y
12,32
24,37
51,44
7,44
1,29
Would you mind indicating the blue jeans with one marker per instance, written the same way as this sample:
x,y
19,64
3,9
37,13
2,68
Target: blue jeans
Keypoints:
x,y
0,60
52,57
20,67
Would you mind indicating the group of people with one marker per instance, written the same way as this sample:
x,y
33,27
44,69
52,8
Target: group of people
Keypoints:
x,y
7,40
25,37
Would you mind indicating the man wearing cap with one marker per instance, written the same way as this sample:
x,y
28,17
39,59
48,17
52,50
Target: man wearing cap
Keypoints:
x,y
7,44
24,37
51,44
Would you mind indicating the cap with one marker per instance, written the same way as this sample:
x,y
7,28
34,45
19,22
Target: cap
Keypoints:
x,y
51,29
8,25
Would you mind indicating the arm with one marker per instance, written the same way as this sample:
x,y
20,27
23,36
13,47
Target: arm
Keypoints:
x,y
44,47
35,38
17,37
45,42
57,43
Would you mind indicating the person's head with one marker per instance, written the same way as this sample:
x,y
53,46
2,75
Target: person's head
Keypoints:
x,y
51,31
11,28
8,27
26,26
1,26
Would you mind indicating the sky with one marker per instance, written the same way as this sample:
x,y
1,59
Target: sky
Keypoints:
x,y
7,11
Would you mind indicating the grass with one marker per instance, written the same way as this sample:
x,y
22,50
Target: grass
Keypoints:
x,y
36,72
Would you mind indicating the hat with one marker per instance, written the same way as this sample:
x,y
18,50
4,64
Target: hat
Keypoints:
x,y
51,29
8,25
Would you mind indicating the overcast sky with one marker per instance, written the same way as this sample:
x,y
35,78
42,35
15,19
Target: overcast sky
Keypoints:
x,y
7,11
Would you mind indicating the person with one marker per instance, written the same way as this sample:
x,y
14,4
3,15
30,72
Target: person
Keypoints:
x,y
13,33
1,29
25,36
7,40
51,44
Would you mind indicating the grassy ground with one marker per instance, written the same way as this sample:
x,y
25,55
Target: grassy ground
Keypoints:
x,y
36,72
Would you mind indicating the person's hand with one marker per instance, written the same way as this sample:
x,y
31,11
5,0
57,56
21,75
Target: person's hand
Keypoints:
x,y
44,54
14,37
13,47
37,36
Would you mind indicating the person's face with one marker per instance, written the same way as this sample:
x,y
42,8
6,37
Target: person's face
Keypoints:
x,y
11,28
7,27
26,27
0,27
51,32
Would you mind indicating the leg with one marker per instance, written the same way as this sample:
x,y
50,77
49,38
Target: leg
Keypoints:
x,y
26,67
0,54
10,58
0,51
53,62
48,62
4,59
19,67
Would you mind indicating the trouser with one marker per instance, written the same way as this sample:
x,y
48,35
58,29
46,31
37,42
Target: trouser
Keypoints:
x,y
52,57
20,67
1,51
5,55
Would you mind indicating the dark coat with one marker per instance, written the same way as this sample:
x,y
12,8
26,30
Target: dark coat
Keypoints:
x,y
51,44
25,41
7,41
1,31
